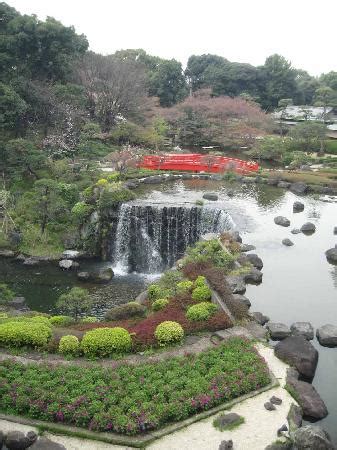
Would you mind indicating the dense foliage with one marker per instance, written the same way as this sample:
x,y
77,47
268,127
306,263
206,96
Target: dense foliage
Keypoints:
x,y
132,399
106,342
24,333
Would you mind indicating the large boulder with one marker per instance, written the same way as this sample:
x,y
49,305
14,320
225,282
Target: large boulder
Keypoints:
x,y
255,260
283,184
242,299
83,276
254,276
260,318
298,206
248,247
304,329
335,230
235,235
327,335
308,228
278,331
155,179
16,440
210,196
331,255
295,417
46,444
282,221
295,231
298,352
102,276
299,188
236,284
66,264
312,437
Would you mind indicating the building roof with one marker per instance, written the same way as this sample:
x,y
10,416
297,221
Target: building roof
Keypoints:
x,y
304,112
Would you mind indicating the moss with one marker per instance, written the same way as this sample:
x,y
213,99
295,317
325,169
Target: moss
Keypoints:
x,y
217,423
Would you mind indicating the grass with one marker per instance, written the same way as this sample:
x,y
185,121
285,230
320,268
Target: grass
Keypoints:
x,y
217,423
132,399
320,177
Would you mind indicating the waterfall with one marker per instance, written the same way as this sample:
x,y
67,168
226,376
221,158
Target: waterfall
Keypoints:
x,y
150,237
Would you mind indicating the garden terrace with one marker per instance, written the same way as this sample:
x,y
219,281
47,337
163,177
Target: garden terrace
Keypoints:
x,y
132,399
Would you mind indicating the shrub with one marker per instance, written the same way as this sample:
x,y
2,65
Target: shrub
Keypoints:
x,y
131,309
184,286
75,302
69,345
106,341
209,251
201,294
61,321
169,332
200,281
89,319
109,198
159,304
6,294
155,291
102,182
113,177
81,211
21,333
201,311
170,278
38,319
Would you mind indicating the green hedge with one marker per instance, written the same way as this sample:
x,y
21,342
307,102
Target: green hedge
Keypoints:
x,y
169,332
20,333
201,311
159,304
106,341
201,294
61,321
69,345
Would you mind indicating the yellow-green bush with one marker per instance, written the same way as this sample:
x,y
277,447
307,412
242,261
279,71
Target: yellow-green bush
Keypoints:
x,y
184,287
61,321
200,281
69,345
201,294
106,341
156,291
169,332
21,333
159,304
89,319
201,311
102,182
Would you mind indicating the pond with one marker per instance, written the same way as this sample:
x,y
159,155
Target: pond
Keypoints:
x,y
298,283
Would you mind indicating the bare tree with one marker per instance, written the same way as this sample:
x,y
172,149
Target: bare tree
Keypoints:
x,y
115,88
124,159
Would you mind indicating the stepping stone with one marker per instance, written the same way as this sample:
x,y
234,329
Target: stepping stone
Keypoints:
x,y
327,335
278,331
304,329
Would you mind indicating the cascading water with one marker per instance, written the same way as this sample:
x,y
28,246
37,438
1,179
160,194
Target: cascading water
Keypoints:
x,y
152,237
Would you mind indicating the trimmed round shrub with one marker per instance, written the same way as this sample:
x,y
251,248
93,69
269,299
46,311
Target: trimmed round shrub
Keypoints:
x,y
200,281
169,332
38,319
184,286
155,291
131,309
102,182
106,341
69,345
89,319
201,294
61,321
21,333
201,311
159,304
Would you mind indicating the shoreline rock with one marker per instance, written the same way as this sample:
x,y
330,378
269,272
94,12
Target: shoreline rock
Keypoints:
x,y
300,353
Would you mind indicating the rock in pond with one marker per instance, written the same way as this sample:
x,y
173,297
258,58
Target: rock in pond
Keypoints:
x,y
278,331
308,228
260,318
282,221
242,299
254,276
299,188
298,207
66,264
335,230
296,231
331,255
235,236
71,254
312,437
327,335
298,352
210,196
154,179
7,253
102,276
247,248
287,242
255,260
236,284
283,184
304,329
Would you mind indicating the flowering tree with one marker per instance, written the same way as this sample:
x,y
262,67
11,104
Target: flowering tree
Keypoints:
x,y
124,159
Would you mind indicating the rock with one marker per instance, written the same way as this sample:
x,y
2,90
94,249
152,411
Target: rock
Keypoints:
x,y
306,168
18,303
83,276
295,231
230,193
247,248
46,444
16,440
298,207
281,430
304,329
31,261
273,181
226,445
131,184
269,406
283,184
242,259
2,439
32,437
294,417
280,445
142,297
208,236
254,276
260,318
275,400
227,420
282,221
278,330
312,437
210,196
4,253
236,284
255,260
307,397
287,242
327,335
299,188
257,331
153,179
71,254
298,352
335,230
66,264
235,236
308,228
331,255
103,276
242,299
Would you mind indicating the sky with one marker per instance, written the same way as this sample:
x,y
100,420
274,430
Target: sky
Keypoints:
x,y
303,31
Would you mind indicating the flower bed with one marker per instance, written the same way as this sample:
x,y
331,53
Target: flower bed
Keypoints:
x,y
132,399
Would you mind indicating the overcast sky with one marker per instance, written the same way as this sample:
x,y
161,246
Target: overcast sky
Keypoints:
x,y
304,31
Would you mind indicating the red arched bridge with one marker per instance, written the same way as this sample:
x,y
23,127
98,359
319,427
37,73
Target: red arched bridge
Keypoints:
x,y
197,162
